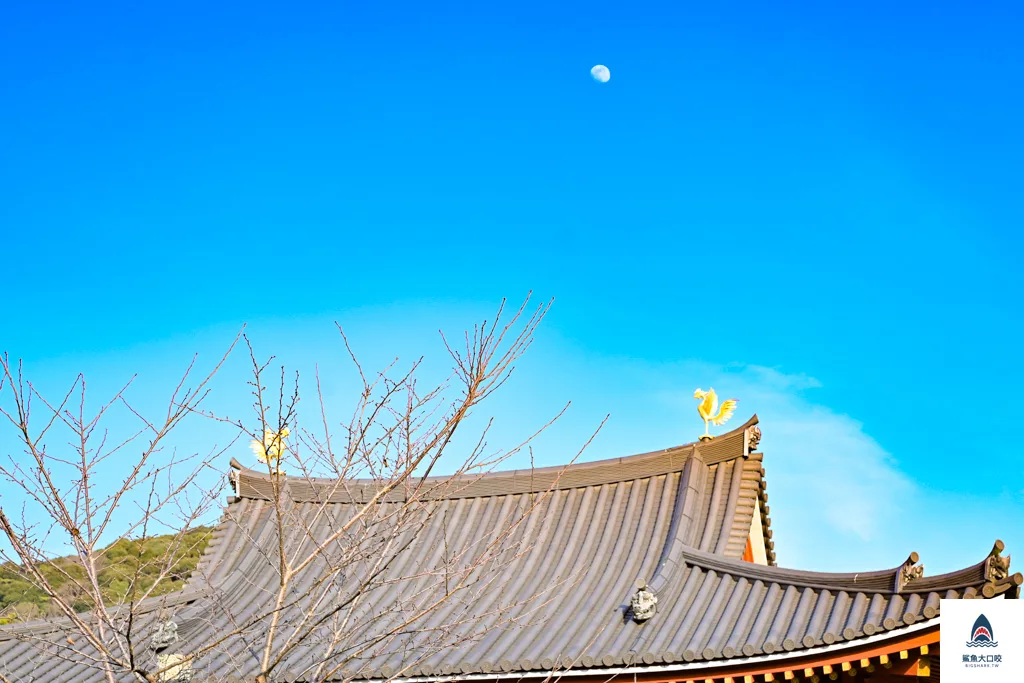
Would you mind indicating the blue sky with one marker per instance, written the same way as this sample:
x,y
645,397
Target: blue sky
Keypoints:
x,y
814,208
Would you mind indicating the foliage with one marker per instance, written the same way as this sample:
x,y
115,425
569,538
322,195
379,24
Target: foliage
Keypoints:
x,y
119,565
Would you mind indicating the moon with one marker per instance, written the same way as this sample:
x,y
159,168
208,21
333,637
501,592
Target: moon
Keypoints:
x,y
601,73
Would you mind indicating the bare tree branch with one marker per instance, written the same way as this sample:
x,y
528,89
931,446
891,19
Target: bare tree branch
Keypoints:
x,y
350,521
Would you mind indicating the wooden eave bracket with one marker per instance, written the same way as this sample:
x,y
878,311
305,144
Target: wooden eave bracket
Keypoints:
x,y
914,659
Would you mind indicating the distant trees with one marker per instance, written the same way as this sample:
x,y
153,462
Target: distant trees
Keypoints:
x,y
22,599
75,483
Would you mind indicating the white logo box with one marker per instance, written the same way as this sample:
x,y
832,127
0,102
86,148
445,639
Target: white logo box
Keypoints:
x,y
981,641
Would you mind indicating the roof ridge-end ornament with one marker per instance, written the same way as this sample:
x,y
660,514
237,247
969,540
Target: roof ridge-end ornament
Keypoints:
x,y
711,412
997,567
166,635
909,571
753,437
644,603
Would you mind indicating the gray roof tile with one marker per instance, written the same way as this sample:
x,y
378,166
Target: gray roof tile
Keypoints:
x,y
678,518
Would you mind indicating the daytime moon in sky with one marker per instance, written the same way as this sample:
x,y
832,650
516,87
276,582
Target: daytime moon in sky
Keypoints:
x,y
601,73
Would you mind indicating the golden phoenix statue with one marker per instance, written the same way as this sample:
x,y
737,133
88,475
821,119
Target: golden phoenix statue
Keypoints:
x,y
710,411
272,449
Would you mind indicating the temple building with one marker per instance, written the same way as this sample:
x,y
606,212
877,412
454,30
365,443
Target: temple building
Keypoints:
x,y
658,567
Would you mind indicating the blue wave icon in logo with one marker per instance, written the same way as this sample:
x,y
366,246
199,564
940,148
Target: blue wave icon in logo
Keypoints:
x,y
982,634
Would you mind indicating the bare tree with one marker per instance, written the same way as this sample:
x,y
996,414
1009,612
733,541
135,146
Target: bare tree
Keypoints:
x,y
346,564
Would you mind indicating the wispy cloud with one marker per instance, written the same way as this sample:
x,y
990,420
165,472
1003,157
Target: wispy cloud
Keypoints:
x,y
773,378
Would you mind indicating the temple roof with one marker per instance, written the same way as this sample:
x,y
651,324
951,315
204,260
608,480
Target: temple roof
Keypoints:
x,y
677,520
715,487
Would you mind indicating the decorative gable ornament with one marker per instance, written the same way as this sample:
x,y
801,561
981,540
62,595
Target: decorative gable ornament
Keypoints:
x,y
645,603
909,571
173,667
997,567
753,437
165,636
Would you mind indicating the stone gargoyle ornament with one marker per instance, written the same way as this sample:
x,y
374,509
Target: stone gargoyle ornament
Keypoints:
x,y
165,636
174,667
645,603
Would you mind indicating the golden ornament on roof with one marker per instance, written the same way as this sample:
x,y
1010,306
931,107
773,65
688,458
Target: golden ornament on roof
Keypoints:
x,y
711,412
272,449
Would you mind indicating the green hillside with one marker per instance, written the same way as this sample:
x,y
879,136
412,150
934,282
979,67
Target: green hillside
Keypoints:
x,y
119,563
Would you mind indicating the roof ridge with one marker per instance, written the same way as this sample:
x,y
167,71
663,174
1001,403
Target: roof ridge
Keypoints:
x,y
729,446
877,581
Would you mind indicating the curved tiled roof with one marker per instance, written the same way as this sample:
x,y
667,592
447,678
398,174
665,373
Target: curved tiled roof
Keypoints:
x,y
677,518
